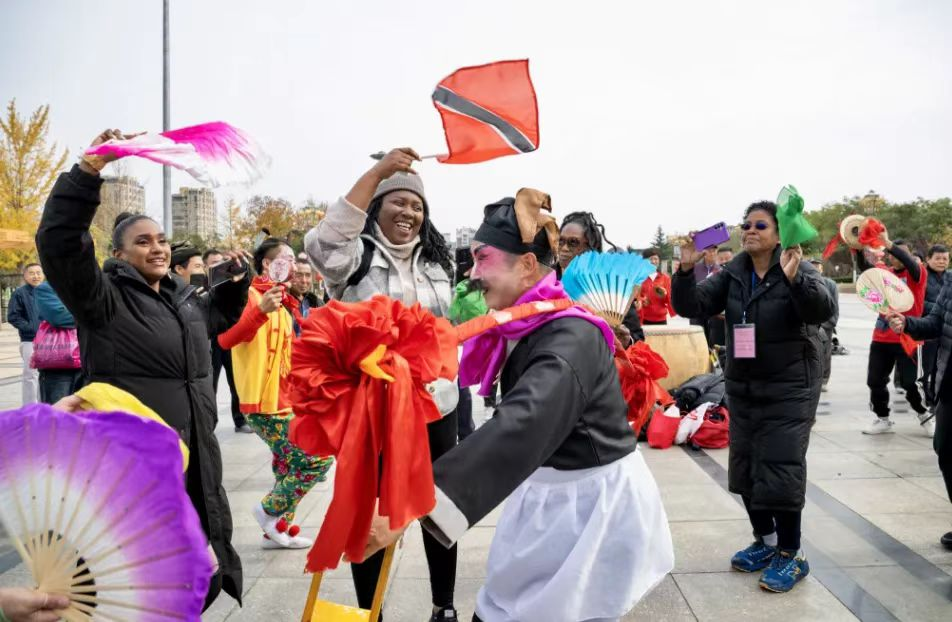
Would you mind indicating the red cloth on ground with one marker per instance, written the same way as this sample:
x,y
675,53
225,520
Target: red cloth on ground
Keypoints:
x,y
639,369
342,411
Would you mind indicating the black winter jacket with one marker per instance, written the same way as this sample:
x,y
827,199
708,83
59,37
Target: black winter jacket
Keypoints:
x,y
936,325
22,313
786,315
933,288
772,398
151,344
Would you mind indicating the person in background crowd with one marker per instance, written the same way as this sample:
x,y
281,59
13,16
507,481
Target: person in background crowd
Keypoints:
x,y
655,295
221,359
704,269
302,291
580,232
22,315
937,326
380,239
675,265
828,328
187,262
774,304
937,265
468,302
886,353
55,384
261,353
724,255
145,333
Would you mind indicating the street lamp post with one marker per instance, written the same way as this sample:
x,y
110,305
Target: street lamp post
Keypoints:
x,y
166,171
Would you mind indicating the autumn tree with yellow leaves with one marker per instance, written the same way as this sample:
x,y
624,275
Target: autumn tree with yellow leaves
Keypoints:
x,y
28,168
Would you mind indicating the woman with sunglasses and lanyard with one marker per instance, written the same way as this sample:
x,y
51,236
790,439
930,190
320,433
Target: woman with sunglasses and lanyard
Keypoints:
x,y
579,234
774,304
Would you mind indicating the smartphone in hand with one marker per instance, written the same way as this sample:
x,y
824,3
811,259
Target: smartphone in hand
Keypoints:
x,y
712,236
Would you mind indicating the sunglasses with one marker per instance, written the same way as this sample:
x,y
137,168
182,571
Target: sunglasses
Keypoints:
x,y
759,225
572,243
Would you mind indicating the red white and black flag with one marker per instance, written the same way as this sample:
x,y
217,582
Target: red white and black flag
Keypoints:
x,y
489,111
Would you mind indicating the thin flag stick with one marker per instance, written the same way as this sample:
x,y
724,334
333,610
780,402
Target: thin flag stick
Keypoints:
x,y
380,154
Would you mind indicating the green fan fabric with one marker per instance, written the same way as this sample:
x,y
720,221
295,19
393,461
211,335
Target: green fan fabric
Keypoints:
x,y
794,227
467,303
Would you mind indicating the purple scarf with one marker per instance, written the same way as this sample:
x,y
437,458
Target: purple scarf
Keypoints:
x,y
485,354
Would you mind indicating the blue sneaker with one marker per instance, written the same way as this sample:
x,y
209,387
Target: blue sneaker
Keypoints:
x,y
785,571
755,557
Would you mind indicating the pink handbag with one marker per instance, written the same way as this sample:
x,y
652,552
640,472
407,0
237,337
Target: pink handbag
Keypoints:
x,y
55,348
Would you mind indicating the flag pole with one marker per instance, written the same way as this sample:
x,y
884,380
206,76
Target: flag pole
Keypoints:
x,y
380,154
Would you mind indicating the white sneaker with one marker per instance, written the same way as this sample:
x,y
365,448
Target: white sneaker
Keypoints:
x,y
927,421
880,426
269,525
297,542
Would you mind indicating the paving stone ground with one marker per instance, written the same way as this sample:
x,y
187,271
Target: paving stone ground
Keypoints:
x,y
876,508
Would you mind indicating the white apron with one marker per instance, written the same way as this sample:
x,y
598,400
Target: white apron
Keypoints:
x,y
577,545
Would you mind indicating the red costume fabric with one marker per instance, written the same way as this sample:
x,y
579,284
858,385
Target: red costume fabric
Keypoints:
x,y
656,307
639,369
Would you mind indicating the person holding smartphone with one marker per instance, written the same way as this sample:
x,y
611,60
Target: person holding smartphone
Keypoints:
x,y
773,303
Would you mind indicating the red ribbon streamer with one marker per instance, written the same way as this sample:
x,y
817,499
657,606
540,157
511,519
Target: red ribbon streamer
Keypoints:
x,y
376,429
832,245
870,232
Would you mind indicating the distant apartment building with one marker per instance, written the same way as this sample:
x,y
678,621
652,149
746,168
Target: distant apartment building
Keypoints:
x,y
194,213
464,237
118,194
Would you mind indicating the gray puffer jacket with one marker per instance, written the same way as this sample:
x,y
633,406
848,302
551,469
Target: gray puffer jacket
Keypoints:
x,y
336,247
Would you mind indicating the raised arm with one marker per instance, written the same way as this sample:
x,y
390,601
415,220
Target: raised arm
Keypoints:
x,y
334,245
811,296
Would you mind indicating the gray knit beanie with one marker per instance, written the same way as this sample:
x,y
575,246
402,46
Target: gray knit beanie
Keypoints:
x,y
401,181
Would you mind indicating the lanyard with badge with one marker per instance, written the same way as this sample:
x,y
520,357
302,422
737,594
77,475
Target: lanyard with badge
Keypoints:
x,y
745,335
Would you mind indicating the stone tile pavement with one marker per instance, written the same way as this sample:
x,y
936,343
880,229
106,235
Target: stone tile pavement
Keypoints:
x,y
876,508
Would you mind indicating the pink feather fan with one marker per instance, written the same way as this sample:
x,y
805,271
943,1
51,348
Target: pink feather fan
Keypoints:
x,y
215,154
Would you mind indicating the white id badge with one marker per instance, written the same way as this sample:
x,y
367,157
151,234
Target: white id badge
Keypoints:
x,y
745,341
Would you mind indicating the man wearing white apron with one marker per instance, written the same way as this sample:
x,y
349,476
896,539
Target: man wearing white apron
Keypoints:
x,y
583,535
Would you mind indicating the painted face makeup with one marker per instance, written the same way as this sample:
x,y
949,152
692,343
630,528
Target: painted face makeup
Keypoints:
x,y
493,270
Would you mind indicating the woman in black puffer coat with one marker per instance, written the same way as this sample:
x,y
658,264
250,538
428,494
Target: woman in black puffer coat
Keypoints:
x,y
146,333
775,301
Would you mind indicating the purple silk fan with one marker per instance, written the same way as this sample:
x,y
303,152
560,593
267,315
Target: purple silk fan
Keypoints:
x,y
96,506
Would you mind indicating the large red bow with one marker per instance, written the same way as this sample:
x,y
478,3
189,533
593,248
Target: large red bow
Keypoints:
x,y
639,369
358,390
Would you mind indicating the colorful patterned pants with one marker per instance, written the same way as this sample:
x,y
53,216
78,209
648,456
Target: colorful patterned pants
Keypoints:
x,y
295,472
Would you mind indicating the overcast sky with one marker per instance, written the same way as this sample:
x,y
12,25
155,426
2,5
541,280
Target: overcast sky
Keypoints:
x,y
674,113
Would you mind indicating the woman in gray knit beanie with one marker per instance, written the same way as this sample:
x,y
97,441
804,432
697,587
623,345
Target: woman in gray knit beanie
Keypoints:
x,y
379,239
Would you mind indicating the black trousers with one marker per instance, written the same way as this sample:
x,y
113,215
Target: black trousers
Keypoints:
x,y
942,442
785,524
440,560
930,354
826,342
222,358
883,358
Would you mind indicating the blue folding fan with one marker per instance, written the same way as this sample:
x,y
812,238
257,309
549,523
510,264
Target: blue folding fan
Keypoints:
x,y
607,283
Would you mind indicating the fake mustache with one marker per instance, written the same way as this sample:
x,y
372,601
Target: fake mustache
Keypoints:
x,y
476,285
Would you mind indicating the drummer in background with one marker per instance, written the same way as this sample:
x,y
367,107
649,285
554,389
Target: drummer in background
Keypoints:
x,y
886,353
773,303
655,298
579,234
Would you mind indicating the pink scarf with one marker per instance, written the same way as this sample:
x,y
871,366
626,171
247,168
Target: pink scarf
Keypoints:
x,y
485,355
